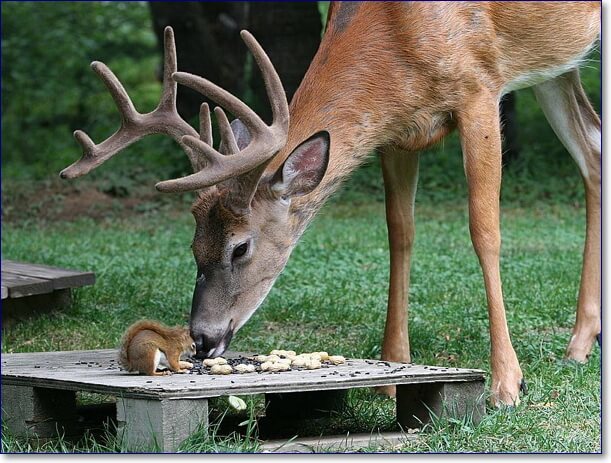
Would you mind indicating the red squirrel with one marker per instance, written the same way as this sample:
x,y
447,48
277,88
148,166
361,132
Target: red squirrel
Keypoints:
x,y
147,343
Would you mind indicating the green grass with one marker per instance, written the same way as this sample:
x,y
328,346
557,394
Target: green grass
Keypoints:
x,y
332,295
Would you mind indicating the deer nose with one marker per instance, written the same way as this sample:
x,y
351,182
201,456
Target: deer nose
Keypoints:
x,y
210,346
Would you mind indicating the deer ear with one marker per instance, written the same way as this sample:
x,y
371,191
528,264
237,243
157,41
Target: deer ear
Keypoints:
x,y
241,133
305,167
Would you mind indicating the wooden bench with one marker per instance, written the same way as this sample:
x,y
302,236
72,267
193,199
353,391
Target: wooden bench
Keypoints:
x,y
29,289
38,396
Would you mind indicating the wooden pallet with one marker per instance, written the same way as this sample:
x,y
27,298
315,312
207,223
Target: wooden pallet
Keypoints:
x,y
28,288
38,395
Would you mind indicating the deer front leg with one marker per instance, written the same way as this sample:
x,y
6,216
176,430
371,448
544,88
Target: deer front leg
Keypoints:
x,y
478,124
400,170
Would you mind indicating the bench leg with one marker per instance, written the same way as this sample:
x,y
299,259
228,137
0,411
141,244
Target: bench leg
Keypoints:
x,y
416,402
147,425
21,308
36,411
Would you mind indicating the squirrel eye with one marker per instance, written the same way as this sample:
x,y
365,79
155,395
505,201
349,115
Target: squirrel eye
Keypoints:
x,y
240,250
193,346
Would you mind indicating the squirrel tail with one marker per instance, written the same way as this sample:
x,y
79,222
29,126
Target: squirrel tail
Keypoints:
x,y
129,334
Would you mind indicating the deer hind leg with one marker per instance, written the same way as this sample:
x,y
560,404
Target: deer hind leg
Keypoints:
x,y
400,170
478,124
578,127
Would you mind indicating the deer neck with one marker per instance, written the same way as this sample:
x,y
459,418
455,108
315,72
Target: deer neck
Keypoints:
x,y
354,136
352,95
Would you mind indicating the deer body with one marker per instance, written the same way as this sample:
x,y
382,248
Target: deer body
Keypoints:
x,y
401,76
395,77
398,72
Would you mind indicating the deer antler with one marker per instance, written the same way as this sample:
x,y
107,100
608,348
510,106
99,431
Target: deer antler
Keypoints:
x,y
265,141
243,168
164,119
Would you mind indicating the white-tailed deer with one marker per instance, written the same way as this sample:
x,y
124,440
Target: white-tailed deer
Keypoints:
x,y
395,77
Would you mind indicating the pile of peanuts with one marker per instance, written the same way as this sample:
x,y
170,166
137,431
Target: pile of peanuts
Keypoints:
x,y
277,360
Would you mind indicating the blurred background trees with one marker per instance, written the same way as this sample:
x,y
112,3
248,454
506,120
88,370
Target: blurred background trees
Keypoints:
x,y
209,44
49,91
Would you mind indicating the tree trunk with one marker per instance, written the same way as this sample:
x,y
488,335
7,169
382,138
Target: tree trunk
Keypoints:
x,y
290,34
207,44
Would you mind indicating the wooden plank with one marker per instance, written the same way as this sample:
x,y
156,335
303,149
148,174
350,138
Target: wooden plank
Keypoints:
x,y
20,286
341,443
4,292
97,371
417,402
161,425
61,278
40,411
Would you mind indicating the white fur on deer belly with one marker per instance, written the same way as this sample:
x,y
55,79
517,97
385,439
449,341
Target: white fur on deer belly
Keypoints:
x,y
535,77
161,361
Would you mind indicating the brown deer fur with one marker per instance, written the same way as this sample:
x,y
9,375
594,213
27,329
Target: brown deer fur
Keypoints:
x,y
400,76
397,77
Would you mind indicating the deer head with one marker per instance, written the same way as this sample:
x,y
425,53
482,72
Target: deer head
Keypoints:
x,y
245,229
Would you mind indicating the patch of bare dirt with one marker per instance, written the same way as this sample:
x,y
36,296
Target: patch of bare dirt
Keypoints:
x,y
57,201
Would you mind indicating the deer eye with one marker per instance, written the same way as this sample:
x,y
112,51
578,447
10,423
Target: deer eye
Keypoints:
x,y
239,251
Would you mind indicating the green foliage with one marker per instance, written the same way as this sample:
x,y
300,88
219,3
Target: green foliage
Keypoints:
x,y
49,89
332,296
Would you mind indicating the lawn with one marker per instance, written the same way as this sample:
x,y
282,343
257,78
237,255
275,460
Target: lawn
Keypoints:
x,y
332,295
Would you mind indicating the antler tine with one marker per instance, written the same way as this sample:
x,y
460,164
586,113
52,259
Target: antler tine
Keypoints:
x,y
273,84
168,94
117,91
265,142
229,145
205,135
205,124
224,98
164,119
85,141
228,142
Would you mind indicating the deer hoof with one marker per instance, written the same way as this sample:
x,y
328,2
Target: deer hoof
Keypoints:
x,y
506,392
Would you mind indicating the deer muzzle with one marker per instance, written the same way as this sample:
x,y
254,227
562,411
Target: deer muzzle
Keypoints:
x,y
210,327
210,345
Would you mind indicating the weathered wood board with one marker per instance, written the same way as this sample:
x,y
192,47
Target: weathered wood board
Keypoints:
x,y
21,286
98,371
24,279
38,391
29,289
388,441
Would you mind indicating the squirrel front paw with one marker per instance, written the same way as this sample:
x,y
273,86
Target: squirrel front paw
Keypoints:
x,y
187,365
